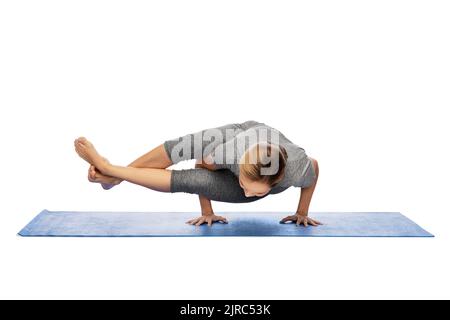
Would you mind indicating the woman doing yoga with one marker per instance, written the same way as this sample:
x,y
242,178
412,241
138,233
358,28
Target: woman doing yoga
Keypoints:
x,y
238,162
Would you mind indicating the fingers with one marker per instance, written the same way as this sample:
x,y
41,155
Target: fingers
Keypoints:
x,y
192,221
289,218
221,219
284,220
207,219
301,220
315,222
200,221
297,219
196,221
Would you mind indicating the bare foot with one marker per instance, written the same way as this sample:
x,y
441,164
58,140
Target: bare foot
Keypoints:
x,y
96,176
86,151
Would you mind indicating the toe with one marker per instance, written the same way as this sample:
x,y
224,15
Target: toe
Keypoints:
x,y
80,140
83,140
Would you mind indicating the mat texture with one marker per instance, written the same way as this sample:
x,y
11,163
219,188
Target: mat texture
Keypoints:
x,y
172,224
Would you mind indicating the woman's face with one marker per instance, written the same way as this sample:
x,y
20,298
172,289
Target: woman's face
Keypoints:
x,y
253,188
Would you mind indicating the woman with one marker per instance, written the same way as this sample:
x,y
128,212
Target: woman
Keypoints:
x,y
239,162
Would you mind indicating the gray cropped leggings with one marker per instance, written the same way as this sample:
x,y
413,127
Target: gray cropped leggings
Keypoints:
x,y
220,185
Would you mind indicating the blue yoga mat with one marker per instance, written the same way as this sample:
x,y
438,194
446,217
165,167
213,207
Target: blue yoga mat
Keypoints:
x,y
172,224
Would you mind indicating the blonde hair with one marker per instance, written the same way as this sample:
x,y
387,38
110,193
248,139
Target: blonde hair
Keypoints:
x,y
259,157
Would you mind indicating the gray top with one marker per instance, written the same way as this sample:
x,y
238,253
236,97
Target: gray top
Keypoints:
x,y
227,155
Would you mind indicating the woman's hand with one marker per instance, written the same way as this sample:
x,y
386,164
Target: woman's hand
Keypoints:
x,y
301,219
207,218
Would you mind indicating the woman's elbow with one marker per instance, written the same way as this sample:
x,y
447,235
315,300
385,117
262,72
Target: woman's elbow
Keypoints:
x,y
204,163
315,164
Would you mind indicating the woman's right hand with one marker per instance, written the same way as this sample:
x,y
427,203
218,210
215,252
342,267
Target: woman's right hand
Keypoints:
x,y
209,218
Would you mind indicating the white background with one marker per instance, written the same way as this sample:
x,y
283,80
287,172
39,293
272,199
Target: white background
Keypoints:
x,y
363,86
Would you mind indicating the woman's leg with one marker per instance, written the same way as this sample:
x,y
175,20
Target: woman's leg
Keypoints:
x,y
161,156
153,178
156,158
171,152
219,185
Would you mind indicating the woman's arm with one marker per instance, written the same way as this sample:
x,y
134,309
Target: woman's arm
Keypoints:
x,y
205,203
306,194
206,163
208,215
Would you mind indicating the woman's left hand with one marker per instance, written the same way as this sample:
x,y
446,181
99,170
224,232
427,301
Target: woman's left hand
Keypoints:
x,y
301,219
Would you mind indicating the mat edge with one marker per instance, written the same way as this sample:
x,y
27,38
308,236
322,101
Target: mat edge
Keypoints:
x,y
24,233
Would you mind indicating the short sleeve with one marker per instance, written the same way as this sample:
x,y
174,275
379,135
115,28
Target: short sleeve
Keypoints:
x,y
301,174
